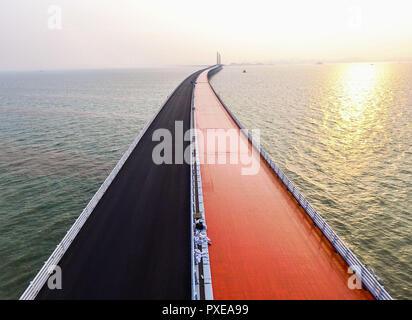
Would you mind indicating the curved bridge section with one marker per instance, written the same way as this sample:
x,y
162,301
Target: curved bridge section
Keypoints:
x,y
133,239
139,237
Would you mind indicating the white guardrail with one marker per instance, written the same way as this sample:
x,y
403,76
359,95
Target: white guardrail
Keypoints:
x,y
35,286
199,258
368,279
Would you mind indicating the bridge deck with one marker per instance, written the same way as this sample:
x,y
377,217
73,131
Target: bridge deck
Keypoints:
x,y
136,243
264,246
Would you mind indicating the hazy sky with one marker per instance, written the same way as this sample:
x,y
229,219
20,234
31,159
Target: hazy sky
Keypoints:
x,y
132,33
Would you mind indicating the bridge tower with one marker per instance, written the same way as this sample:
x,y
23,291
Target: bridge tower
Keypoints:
x,y
218,58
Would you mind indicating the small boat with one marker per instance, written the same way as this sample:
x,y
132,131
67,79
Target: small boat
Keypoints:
x,y
244,71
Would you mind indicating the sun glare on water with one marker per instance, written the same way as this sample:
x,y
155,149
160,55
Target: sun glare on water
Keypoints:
x,y
355,116
358,85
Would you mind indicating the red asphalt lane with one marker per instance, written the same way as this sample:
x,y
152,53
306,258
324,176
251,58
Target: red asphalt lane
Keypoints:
x,y
264,245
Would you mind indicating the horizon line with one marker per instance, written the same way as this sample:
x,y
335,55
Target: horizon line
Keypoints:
x,y
159,66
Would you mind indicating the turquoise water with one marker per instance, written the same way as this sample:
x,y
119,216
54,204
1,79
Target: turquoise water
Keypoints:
x,y
61,133
343,134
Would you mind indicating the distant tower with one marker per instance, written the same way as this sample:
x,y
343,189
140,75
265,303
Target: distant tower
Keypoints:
x,y
218,58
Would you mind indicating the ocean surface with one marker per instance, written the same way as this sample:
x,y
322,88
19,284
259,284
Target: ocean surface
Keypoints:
x,y
61,133
343,134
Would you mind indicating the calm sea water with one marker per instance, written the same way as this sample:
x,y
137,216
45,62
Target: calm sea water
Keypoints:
x,y
343,135
61,133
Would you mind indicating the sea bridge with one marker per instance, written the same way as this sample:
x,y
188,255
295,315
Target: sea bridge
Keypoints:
x,y
145,233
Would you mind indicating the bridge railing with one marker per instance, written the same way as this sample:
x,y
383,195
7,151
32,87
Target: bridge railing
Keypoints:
x,y
362,272
201,274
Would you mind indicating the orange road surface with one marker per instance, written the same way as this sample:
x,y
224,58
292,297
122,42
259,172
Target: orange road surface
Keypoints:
x,y
264,245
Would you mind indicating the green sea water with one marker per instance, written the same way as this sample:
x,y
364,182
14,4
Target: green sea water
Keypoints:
x,y
61,133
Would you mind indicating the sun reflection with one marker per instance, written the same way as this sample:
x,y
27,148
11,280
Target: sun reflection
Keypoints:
x,y
353,118
358,86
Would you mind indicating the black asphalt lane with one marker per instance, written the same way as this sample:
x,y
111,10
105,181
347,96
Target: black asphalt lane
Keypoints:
x,y
136,243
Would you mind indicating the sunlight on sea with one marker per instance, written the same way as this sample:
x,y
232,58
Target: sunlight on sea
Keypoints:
x,y
343,134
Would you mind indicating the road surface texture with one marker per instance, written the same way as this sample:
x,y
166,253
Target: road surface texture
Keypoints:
x,y
136,243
